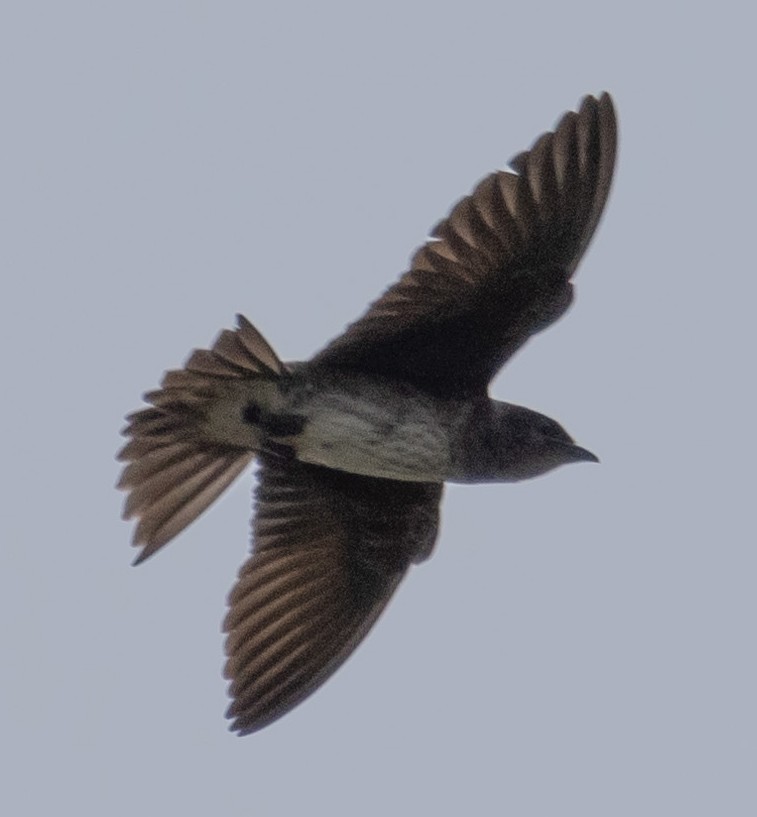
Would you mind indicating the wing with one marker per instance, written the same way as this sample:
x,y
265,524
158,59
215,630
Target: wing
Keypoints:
x,y
329,550
496,270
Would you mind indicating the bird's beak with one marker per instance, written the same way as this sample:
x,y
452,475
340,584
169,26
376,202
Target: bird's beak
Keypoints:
x,y
578,454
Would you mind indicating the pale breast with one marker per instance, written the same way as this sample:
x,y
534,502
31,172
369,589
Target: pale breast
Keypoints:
x,y
377,431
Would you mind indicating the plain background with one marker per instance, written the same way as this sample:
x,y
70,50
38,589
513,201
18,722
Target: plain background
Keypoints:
x,y
582,644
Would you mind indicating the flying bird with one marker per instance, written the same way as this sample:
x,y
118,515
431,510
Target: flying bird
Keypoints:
x,y
354,446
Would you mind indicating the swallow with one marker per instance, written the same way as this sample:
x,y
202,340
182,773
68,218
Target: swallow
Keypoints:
x,y
354,445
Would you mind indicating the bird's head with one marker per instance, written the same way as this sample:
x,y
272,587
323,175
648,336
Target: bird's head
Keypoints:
x,y
532,444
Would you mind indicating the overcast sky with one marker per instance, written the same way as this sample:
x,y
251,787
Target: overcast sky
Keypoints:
x,y
581,644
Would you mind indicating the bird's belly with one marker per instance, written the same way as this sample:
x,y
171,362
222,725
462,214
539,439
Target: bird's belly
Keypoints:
x,y
402,440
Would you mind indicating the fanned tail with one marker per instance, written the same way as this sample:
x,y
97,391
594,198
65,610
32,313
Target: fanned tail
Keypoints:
x,y
184,450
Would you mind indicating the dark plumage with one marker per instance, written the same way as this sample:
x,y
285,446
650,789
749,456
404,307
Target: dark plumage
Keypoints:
x,y
355,444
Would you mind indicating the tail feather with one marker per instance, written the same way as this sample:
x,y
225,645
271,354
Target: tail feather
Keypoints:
x,y
247,350
176,463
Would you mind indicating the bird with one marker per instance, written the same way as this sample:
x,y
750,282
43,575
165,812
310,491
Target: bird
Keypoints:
x,y
354,445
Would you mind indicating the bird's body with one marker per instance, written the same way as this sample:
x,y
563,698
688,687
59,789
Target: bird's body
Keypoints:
x,y
356,443
362,425
376,427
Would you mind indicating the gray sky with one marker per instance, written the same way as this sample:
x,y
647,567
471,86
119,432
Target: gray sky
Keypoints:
x,y
582,644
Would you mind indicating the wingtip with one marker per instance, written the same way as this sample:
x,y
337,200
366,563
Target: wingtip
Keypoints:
x,y
605,98
146,548
140,557
241,731
607,111
604,104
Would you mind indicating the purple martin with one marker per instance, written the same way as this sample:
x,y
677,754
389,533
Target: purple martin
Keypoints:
x,y
354,445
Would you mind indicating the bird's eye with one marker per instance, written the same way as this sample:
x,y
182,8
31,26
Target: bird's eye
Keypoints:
x,y
549,428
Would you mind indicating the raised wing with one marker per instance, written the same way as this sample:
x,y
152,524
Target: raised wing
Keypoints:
x,y
329,550
496,270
